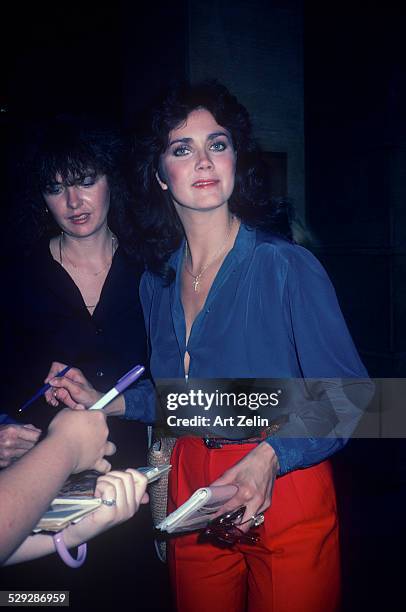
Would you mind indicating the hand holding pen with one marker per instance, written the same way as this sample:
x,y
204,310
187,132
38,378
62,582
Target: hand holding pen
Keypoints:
x,y
75,391
72,389
43,390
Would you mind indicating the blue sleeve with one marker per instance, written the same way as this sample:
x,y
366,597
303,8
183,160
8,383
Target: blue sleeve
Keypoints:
x,y
146,295
140,399
6,420
320,426
140,402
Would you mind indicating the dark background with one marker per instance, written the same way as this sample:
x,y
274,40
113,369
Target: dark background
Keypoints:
x,y
112,59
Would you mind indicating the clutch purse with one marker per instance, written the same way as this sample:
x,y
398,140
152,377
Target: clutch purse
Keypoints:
x,y
159,454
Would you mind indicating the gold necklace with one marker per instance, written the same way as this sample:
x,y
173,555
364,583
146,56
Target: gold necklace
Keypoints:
x,y
197,277
78,270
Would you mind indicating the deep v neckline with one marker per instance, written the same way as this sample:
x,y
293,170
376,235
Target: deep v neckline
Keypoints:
x,y
77,300
178,313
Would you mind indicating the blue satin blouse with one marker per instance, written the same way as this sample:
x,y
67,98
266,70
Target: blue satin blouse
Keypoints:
x,y
271,312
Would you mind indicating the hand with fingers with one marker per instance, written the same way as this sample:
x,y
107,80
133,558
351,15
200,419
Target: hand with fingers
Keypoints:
x,y
85,432
254,476
15,441
73,390
121,493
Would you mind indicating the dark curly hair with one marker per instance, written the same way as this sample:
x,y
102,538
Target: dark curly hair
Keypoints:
x,y
73,147
250,200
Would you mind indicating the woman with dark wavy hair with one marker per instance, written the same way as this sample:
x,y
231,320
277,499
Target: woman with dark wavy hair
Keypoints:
x,y
228,295
250,198
72,151
73,297
74,292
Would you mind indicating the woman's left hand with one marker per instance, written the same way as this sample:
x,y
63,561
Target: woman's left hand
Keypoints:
x,y
73,389
124,491
254,476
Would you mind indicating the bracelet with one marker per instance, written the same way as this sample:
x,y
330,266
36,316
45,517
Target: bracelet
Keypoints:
x,y
65,554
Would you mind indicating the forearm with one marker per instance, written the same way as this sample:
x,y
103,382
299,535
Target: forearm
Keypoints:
x,y
126,488
135,404
116,407
40,545
27,487
267,453
33,547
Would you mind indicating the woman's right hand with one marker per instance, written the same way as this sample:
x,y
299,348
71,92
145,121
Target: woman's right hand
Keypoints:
x,y
72,390
124,491
84,436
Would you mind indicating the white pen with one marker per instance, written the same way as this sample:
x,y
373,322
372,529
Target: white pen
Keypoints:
x,y
124,382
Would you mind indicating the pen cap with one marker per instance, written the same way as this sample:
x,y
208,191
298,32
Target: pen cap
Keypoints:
x,y
126,380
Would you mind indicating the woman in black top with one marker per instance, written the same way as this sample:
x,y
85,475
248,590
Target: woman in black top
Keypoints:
x,y
72,296
73,286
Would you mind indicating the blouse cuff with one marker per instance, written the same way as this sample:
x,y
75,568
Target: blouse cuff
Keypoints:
x,y
140,402
296,453
7,420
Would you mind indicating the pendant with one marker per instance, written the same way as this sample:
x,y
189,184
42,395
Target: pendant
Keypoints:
x,y
196,284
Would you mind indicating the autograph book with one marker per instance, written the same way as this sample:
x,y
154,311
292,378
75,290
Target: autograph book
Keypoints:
x,y
76,498
198,510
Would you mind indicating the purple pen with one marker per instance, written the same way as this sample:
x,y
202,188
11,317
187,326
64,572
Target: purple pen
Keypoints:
x,y
43,390
124,382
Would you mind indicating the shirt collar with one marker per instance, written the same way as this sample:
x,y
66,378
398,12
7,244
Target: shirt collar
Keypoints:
x,y
244,245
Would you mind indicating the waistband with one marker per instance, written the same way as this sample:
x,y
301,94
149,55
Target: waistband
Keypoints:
x,y
214,442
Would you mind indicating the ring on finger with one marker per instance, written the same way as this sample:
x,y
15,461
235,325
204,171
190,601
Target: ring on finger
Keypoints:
x,y
257,519
109,502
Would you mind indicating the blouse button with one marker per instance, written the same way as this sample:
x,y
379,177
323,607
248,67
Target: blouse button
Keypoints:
x,y
99,373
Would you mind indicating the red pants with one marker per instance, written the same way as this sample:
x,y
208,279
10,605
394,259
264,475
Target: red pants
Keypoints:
x,y
295,566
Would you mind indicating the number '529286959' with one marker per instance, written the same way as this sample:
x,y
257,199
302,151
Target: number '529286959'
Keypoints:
x,y
37,597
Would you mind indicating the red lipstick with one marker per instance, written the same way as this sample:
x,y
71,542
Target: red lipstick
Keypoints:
x,y
79,219
205,183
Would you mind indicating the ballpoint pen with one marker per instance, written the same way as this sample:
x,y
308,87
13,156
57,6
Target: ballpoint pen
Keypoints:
x,y
124,382
43,390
